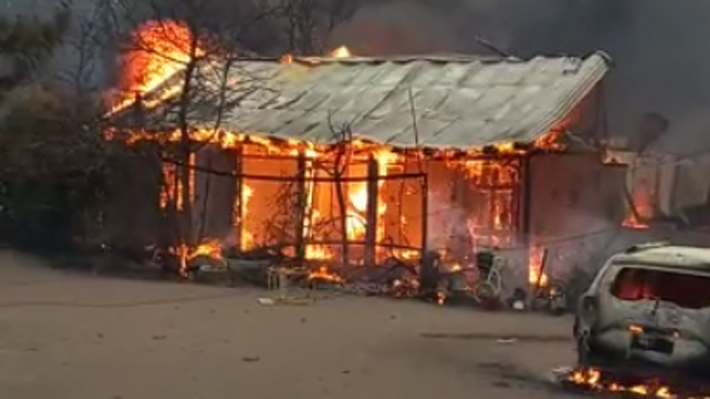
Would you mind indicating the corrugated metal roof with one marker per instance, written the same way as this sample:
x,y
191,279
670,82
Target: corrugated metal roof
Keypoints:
x,y
458,101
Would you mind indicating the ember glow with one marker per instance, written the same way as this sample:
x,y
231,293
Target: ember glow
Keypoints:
x,y
323,274
597,380
643,208
341,52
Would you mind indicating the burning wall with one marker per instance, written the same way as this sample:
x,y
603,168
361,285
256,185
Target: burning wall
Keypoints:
x,y
575,205
477,201
283,194
280,193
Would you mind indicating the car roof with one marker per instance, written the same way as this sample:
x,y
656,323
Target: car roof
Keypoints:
x,y
688,258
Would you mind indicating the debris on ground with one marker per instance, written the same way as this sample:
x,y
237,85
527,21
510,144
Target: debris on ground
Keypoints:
x,y
266,301
284,301
596,380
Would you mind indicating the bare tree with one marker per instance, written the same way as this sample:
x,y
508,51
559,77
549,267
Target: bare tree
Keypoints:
x,y
203,42
212,38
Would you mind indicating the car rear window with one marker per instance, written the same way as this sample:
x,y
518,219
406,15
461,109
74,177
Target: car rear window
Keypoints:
x,y
685,290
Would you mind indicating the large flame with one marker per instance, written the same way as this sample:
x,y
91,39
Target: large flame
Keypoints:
x,y
164,48
159,49
535,268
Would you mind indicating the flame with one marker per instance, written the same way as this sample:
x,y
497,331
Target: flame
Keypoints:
x,y
406,254
323,274
491,219
164,49
318,252
440,298
160,48
356,221
493,228
535,267
595,380
358,197
247,238
550,141
287,59
341,52
642,201
210,248
171,191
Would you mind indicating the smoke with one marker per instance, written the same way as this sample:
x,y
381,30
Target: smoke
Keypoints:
x,y
659,47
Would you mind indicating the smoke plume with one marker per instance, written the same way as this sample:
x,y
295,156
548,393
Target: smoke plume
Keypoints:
x,y
659,47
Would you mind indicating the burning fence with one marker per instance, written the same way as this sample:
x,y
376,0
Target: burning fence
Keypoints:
x,y
354,162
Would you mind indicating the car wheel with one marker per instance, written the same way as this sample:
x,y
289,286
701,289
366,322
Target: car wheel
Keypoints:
x,y
581,338
582,354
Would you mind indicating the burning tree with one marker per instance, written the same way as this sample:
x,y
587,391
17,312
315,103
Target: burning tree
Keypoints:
x,y
178,78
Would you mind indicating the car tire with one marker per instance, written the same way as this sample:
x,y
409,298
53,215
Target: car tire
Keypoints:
x,y
582,354
585,353
588,357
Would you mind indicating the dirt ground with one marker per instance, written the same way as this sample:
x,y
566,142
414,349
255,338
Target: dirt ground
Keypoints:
x,y
70,336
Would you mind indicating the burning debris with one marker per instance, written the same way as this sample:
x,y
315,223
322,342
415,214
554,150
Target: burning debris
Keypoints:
x,y
595,380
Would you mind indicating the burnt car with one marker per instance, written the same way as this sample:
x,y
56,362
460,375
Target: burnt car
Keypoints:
x,y
648,312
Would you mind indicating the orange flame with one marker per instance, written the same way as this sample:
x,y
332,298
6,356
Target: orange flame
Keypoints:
x,y
323,274
594,379
210,248
247,238
643,208
341,52
160,49
535,268
171,191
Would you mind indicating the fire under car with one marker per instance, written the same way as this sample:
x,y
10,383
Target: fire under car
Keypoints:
x,y
647,312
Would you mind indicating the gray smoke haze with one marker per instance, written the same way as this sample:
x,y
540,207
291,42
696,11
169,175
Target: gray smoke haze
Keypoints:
x,y
660,47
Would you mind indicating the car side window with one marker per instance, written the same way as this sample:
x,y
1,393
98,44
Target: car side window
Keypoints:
x,y
602,276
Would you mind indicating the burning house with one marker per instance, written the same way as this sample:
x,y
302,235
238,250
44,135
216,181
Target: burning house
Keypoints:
x,y
344,162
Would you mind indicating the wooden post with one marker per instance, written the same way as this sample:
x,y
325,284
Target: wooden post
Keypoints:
x,y
425,212
301,204
138,111
371,214
526,208
525,200
237,212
